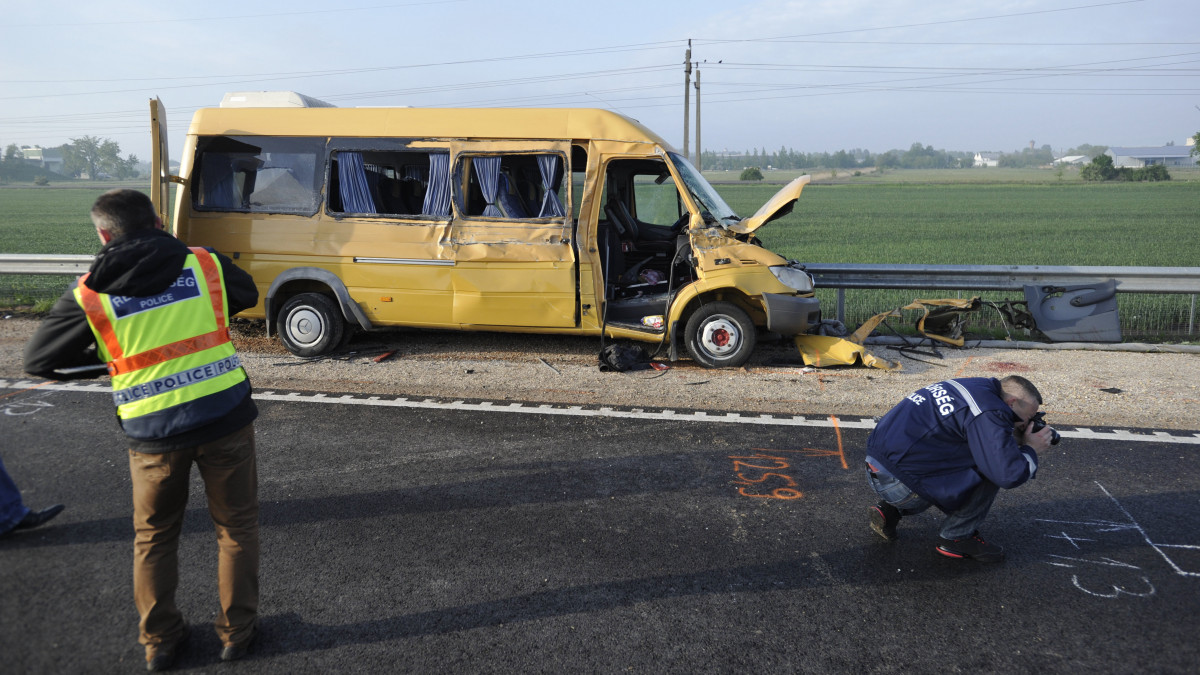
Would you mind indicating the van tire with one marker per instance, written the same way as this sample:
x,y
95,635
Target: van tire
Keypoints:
x,y
310,324
720,335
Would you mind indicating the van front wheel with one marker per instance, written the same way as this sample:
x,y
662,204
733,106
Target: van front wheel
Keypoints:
x,y
310,324
720,335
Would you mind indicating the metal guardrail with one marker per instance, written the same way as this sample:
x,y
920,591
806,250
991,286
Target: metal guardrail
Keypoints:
x,y
843,276
34,263
1002,277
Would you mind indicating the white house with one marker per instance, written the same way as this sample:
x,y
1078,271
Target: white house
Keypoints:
x,y
987,159
1167,155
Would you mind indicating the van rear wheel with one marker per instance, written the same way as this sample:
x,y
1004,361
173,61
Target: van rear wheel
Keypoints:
x,y
720,335
311,324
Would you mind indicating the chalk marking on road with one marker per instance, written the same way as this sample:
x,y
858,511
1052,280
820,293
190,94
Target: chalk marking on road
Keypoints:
x,y
718,417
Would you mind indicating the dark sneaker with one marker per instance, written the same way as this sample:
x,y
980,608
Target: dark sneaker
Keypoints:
x,y
236,651
884,518
162,657
973,547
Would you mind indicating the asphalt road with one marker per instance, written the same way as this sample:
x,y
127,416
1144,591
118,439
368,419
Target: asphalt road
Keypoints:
x,y
428,537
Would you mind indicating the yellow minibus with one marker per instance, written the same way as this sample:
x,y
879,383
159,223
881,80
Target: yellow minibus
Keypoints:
x,y
575,221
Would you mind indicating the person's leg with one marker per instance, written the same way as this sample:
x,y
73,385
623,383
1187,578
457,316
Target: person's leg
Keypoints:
x,y
960,532
966,520
896,500
892,491
160,492
12,509
230,473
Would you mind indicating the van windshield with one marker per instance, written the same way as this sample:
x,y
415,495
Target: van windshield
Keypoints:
x,y
710,202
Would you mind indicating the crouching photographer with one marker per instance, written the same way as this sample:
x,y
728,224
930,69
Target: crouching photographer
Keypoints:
x,y
953,445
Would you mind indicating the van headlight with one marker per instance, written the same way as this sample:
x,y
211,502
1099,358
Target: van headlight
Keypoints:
x,y
793,277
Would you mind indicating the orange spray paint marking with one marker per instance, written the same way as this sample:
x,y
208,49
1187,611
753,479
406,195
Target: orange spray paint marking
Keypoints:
x,y
759,473
838,430
964,366
777,493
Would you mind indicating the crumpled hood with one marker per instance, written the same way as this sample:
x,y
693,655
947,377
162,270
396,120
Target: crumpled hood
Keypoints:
x,y
139,264
776,207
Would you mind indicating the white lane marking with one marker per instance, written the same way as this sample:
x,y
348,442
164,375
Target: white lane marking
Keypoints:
x,y
606,411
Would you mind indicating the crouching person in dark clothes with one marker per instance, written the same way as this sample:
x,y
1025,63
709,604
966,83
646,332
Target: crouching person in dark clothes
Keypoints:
x,y
953,445
157,313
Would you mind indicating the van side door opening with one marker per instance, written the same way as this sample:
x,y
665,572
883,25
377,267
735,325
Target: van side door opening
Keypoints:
x,y
642,242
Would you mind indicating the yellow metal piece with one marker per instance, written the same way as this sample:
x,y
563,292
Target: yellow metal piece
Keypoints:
x,y
821,351
776,206
869,325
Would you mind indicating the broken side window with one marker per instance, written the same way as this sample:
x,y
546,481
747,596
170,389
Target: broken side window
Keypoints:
x,y
258,174
409,183
512,186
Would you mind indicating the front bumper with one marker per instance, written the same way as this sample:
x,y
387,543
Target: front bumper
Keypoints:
x,y
791,314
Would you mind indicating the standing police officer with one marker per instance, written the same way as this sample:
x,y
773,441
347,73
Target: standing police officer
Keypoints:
x,y
953,445
157,313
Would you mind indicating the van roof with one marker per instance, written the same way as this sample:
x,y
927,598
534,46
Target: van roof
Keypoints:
x,y
432,123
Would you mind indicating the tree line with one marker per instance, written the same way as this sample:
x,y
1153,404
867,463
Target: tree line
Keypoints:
x,y
88,156
918,156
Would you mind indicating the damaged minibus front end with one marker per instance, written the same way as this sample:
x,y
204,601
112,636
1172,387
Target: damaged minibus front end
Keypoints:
x,y
740,286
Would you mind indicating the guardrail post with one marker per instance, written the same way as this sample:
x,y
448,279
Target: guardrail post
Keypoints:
x,y
1192,316
841,305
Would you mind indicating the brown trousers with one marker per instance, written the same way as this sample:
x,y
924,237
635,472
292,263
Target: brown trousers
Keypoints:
x,y
160,493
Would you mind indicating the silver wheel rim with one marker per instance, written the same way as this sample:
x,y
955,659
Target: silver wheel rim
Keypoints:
x,y
305,326
720,336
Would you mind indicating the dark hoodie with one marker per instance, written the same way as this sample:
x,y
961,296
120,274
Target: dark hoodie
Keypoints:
x,y
139,264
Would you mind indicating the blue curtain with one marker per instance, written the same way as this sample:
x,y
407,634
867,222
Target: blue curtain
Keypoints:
x,y
548,167
218,183
352,182
437,195
487,171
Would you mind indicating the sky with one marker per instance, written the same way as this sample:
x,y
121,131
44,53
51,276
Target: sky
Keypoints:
x,y
812,75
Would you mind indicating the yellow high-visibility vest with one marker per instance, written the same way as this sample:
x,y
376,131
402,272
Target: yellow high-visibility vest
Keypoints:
x,y
172,363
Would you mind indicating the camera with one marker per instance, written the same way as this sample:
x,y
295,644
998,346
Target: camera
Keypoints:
x,y
1038,422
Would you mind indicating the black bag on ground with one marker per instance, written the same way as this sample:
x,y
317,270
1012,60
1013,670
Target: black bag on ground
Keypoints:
x,y
620,358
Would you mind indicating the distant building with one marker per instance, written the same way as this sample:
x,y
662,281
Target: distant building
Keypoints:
x,y
1167,155
50,159
987,159
1072,160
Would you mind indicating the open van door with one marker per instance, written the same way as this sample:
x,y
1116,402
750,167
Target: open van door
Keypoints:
x,y
160,179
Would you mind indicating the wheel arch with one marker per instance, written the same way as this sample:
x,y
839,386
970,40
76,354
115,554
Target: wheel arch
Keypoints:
x,y
311,280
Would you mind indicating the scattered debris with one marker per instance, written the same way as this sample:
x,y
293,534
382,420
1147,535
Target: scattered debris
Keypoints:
x,y
384,356
1112,390
547,364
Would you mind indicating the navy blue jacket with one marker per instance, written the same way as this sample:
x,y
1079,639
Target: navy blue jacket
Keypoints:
x,y
943,440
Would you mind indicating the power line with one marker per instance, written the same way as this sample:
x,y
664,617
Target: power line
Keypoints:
x,y
927,23
339,10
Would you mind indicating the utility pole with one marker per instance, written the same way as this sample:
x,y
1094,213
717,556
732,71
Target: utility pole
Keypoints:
x,y
698,117
687,86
